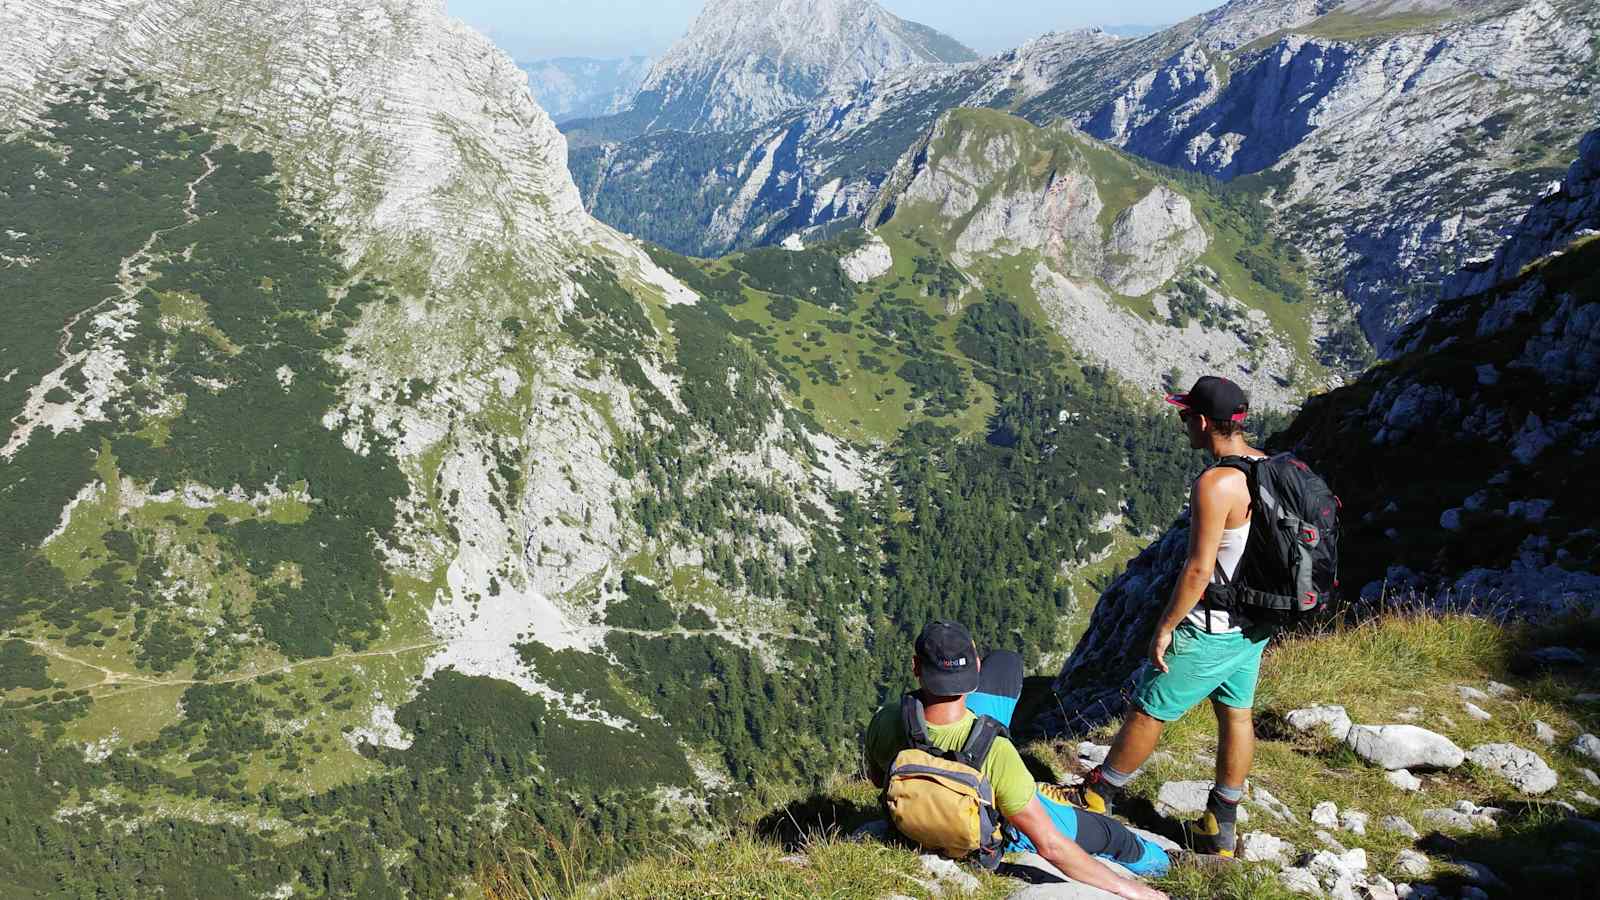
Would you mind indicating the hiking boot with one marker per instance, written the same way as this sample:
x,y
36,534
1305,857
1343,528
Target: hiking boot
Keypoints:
x,y
1207,835
1217,831
1095,794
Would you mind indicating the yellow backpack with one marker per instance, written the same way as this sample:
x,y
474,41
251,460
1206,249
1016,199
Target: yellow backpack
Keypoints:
x,y
939,799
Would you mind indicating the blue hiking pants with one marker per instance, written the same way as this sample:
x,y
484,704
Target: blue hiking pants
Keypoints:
x,y
999,687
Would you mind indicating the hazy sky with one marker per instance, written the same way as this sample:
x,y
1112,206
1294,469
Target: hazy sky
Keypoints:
x,y
531,29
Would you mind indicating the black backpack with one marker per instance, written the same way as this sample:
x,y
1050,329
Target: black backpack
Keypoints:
x,y
1290,566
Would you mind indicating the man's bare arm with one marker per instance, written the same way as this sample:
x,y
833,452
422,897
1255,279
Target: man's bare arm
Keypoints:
x,y
1071,859
1208,518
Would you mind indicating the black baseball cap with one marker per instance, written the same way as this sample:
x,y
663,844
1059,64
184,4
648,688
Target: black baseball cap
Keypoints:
x,y
949,659
1215,398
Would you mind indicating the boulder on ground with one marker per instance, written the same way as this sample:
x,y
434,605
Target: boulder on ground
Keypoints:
x,y
1300,880
1587,745
950,873
1403,780
1181,799
1412,864
1475,711
1353,821
1544,733
1558,656
1331,720
1523,768
1379,888
1478,873
1258,846
1276,808
1400,825
1091,754
1404,747
1448,819
1325,814
1061,890
1470,693
1051,884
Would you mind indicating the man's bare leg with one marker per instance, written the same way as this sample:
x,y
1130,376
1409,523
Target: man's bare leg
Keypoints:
x,y
1133,745
1135,742
1236,744
1217,830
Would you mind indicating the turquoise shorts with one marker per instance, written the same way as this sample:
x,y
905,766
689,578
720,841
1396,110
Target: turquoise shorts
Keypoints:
x,y
1223,667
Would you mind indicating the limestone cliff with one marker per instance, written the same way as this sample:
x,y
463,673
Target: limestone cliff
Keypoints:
x,y
1136,271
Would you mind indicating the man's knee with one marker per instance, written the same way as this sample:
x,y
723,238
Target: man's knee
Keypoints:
x,y
1233,715
1001,673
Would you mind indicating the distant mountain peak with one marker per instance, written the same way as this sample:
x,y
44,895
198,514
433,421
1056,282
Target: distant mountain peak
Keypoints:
x,y
744,61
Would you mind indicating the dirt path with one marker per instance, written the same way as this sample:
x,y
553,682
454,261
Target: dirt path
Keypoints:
x,y
112,677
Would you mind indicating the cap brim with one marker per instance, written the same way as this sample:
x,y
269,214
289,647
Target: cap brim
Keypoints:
x,y
949,684
1179,400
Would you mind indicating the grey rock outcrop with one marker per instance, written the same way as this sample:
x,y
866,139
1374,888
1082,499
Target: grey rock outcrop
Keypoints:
x,y
1403,780
1587,745
1330,720
1399,825
1412,864
1258,846
1404,747
1187,799
867,262
1558,219
1096,677
1325,814
1151,241
1524,769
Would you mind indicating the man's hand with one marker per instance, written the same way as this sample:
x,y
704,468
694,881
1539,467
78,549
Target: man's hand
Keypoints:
x,y
1158,648
1065,854
1137,890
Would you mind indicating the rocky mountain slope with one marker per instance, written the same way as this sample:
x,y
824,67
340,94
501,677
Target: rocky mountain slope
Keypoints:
x,y
1464,464
579,87
745,61
1137,270
1329,103
368,506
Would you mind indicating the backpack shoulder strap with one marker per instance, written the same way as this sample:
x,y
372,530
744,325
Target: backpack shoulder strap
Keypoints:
x,y
915,721
984,731
1240,463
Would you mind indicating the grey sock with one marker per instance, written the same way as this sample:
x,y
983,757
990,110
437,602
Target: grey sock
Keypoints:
x,y
1115,778
1231,794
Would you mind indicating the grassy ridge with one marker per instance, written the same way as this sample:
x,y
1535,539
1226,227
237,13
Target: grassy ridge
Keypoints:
x,y
1377,668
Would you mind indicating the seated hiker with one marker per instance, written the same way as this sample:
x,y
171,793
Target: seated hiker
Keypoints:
x,y
941,729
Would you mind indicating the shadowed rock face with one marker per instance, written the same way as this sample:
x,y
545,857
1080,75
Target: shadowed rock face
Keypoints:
x,y
1096,680
1570,210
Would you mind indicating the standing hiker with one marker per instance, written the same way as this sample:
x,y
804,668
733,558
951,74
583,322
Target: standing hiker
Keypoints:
x,y
947,765
1198,650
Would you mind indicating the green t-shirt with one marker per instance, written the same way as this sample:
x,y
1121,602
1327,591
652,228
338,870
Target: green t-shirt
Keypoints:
x,y
1013,783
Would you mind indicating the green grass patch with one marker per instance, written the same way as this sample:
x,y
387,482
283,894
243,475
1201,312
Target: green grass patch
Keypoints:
x,y
1373,23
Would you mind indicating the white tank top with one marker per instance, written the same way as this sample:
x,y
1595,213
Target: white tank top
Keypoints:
x,y
1229,552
